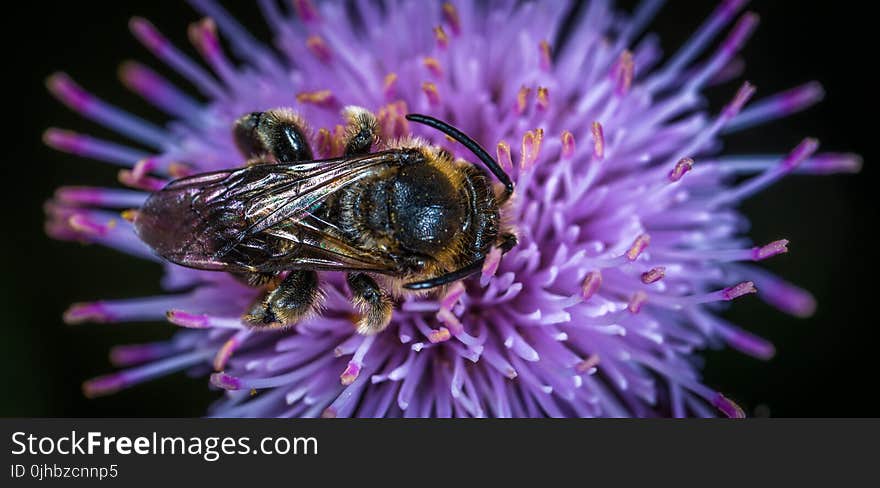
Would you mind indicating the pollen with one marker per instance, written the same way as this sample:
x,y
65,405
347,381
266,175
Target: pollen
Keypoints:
x,y
591,284
441,37
653,275
439,335
203,35
321,98
350,374
129,215
598,141
623,73
81,223
179,170
325,143
502,151
522,100
319,48
681,168
338,140
430,91
392,119
433,66
770,250
224,353
739,290
531,148
638,246
138,177
543,99
131,179
636,302
545,55
389,86
450,16
568,144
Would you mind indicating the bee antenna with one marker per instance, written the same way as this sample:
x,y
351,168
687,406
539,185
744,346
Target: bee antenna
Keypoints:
x,y
446,278
469,143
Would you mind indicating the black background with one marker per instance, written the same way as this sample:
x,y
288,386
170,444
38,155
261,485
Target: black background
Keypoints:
x,y
825,365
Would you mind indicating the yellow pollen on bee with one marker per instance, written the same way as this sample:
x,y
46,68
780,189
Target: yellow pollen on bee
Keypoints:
x,y
433,65
450,15
441,37
319,97
568,144
502,151
598,141
430,90
546,60
543,98
319,48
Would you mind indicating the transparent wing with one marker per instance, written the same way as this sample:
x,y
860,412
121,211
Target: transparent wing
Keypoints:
x,y
258,218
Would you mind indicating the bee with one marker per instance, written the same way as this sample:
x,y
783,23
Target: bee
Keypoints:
x,y
407,215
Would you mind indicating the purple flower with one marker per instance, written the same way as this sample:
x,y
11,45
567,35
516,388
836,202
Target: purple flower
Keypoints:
x,y
630,241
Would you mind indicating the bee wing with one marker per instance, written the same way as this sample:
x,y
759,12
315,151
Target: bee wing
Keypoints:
x,y
256,218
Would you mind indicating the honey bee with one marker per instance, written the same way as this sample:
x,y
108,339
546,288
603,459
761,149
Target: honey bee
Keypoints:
x,y
407,215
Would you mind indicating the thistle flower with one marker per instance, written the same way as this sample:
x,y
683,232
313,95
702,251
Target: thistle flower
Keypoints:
x,y
630,241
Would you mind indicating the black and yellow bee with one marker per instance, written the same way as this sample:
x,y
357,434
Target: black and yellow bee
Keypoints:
x,y
407,214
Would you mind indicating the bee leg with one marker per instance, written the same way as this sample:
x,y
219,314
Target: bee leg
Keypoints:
x,y
255,279
361,131
373,303
295,297
279,135
507,241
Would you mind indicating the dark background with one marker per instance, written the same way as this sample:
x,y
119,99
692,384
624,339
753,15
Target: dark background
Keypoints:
x,y
825,365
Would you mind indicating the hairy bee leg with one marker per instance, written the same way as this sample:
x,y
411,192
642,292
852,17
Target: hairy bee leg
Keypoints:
x,y
254,279
361,131
507,241
280,134
373,303
295,297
